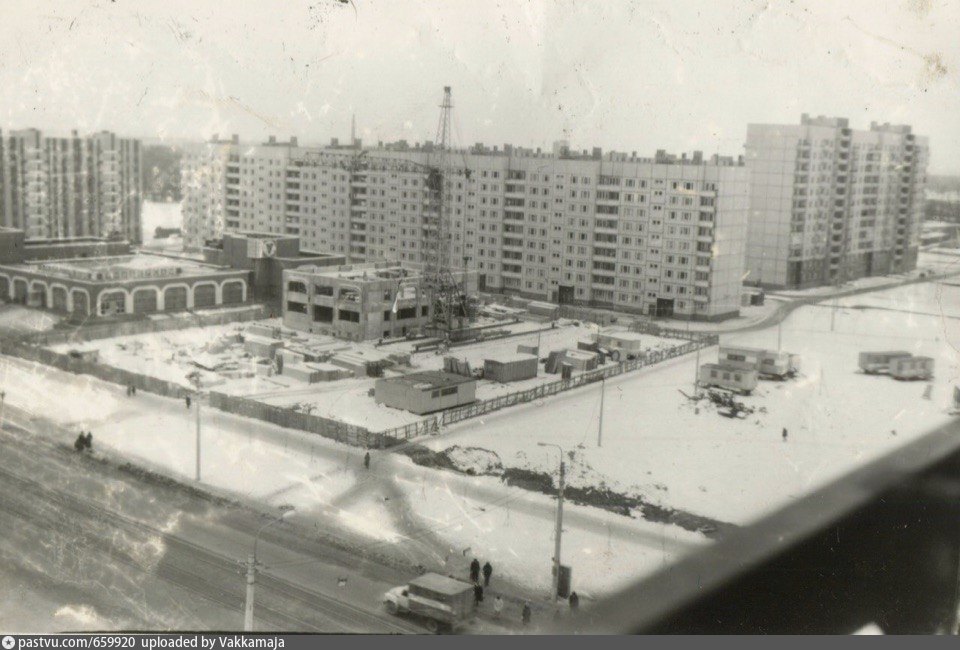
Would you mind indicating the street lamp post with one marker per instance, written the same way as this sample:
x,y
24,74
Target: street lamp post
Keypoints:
x,y
195,380
559,531
252,569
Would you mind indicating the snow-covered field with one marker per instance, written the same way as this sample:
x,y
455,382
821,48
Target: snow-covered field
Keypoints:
x,y
658,444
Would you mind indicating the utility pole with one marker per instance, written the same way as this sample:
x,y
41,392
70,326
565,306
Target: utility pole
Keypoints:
x,y
603,389
252,568
558,534
779,336
251,584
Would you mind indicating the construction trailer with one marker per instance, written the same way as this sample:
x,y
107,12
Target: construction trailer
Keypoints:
x,y
767,363
509,367
911,368
425,392
876,362
621,344
741,380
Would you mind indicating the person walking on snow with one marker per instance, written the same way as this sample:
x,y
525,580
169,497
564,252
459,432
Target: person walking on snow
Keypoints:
x,y
574,601
187,400
487,572
477,594
784,434
475,570
525,614
366,460
497,606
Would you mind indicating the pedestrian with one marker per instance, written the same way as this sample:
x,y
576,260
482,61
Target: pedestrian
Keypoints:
x,y
477,594
80,442
525,614
784,434
89,441
128,390
487,572
574,601
133,390
475,570
497,606
187,400
366,460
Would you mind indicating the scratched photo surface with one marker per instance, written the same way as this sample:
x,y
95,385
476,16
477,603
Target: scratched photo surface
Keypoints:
x,y
479,317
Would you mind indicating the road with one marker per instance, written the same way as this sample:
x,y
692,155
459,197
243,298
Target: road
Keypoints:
x,y
148,554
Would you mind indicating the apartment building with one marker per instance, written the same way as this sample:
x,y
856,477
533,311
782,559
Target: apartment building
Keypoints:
x,y
830,204
54,187
663,235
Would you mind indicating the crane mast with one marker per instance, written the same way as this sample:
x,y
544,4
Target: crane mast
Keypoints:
x,y
447,300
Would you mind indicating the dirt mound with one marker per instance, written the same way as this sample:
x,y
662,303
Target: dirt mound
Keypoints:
x,y
474,461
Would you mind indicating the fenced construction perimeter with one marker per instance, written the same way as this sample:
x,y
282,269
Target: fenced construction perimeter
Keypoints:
x,y
348,433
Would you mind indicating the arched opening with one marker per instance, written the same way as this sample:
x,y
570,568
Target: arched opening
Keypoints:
x,y
58,298
175,299
81,303
20,291
232,292
144,301
113,302
204,295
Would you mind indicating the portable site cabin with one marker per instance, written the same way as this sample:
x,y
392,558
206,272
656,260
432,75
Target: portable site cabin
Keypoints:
x,y
874,362
911,368
426,391
768,363
510,367
742,380
621,344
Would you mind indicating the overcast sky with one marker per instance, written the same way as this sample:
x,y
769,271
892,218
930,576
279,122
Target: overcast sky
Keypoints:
x,y
629,76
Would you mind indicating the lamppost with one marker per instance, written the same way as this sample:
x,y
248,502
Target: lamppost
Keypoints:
x,y
252,568
559,532
194,378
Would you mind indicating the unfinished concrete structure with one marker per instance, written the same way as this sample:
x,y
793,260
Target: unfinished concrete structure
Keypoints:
x,y
361,301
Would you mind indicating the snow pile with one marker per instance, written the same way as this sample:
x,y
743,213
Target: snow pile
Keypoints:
x,y
474,460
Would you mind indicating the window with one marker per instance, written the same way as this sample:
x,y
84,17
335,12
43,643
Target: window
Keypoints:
x,y
449,391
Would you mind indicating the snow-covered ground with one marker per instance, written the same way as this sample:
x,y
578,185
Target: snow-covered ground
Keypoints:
x,y
658,444
249,458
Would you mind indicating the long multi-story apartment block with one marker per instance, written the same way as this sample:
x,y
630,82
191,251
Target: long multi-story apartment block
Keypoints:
x,y
56,188
661,236
830,204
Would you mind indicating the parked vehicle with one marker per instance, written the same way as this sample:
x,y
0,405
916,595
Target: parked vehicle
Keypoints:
x,y
444,604
876,362
740,380
911,368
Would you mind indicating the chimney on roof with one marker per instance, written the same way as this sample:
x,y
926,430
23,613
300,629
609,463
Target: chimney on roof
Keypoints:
x,y
334,142
272,139
597,152
235,139
293,141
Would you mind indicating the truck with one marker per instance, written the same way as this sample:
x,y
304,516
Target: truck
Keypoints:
x,y
444,604
872,363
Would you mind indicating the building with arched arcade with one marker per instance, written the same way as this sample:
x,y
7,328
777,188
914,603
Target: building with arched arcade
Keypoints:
x,y
122,284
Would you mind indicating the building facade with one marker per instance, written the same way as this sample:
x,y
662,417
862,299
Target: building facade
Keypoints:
x,y
55,188
662,236
830,204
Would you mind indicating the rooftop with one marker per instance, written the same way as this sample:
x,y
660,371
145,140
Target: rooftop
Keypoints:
x,y
121,267
431,379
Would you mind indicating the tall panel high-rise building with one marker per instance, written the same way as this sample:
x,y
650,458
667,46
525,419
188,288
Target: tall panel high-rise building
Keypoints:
x,y
54,188
830,204
662,235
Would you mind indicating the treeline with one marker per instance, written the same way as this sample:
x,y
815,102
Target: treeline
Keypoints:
x,y
161,172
